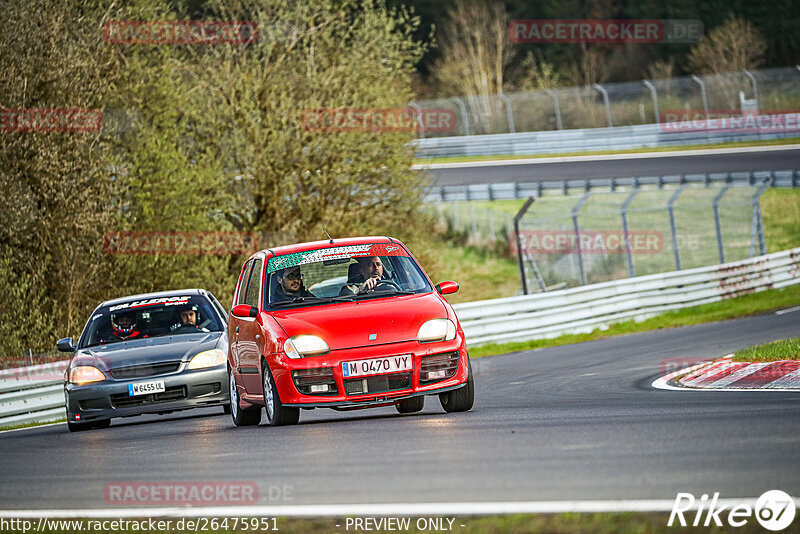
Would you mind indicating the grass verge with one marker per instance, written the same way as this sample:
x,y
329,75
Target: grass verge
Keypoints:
x,y
772,299
29,425
503,157
785,349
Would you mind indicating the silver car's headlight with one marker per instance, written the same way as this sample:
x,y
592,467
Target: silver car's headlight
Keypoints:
x,y
208,358
436,330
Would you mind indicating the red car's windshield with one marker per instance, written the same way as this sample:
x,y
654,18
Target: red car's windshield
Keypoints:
x,y
356,271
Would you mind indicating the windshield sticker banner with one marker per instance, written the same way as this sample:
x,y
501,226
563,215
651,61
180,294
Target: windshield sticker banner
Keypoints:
x,y
167,301
334,253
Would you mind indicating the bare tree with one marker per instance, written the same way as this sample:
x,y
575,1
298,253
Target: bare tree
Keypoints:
x,y
475,52
731,47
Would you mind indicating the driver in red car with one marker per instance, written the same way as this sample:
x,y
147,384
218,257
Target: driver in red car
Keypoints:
x,y
369,273
290,285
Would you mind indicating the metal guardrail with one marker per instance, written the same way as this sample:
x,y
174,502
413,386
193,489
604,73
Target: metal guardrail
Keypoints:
x,y
32,394
589,139
585,308
515,190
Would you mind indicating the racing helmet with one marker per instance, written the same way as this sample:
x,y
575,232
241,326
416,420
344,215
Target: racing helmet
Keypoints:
x,y
123,324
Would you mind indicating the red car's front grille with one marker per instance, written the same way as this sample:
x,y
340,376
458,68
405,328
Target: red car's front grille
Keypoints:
x,y
377,384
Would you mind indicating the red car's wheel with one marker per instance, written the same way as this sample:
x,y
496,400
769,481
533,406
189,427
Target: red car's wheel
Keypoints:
x,y
414,404
240,416
462,399
277,413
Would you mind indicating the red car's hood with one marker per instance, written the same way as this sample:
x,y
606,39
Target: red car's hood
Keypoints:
x,y
351,324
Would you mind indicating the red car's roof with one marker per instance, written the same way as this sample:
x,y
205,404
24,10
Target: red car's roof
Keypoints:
x,y
326,243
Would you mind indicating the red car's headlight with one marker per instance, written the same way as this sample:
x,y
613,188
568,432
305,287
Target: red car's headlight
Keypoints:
x,y
305,345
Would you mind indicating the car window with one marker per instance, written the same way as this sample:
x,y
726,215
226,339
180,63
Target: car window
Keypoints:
x,y
147,318
243,282
327,274
254,285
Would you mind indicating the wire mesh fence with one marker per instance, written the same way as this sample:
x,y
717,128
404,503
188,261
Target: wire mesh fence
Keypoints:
x,y
597,236
622,104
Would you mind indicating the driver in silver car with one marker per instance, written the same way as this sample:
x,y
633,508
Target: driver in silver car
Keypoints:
x,y
369,273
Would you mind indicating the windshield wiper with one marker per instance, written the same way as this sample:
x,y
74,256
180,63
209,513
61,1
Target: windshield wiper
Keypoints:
x,y
389,293
302,300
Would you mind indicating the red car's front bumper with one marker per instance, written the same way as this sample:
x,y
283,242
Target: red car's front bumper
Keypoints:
x,y
282,368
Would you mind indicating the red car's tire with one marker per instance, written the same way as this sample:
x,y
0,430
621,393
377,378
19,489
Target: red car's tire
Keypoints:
x,y
461,399
414,404
241,416
277,413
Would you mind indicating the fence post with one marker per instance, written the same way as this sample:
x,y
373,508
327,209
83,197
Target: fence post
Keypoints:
x,y
758,223
509,113
755,87
605,103
463,110
672,227
419,118
557,106
508,225
654,94
518,217
625,233
474,223
703,94
456,222
715,206
575,211
491,225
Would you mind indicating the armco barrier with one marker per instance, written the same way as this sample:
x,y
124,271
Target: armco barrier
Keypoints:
x,y
32,394
585,308
588,139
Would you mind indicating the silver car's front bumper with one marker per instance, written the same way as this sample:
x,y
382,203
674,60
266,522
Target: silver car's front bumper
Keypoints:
x,y
183,390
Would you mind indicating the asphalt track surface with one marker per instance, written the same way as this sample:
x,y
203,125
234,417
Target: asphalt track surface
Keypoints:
x,y
618,168
577,422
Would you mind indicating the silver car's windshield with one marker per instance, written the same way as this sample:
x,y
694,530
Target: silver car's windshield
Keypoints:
x,y
163,316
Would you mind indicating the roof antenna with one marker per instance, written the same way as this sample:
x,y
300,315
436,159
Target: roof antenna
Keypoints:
x,y
329,235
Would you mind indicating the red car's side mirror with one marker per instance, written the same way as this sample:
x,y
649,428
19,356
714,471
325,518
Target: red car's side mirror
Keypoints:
x,y
244,310
445,288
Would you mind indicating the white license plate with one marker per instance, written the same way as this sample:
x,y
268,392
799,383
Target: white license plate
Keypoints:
x,y
377,366
143,388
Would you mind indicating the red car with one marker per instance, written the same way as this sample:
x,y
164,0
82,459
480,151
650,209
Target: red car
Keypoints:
x,y
343,324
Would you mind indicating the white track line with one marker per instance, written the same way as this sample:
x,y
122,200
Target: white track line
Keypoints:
x,y
604,157
787,310
387,509
32,427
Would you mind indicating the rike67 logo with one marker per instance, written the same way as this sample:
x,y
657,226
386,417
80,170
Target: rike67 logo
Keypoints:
x,y
774,510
